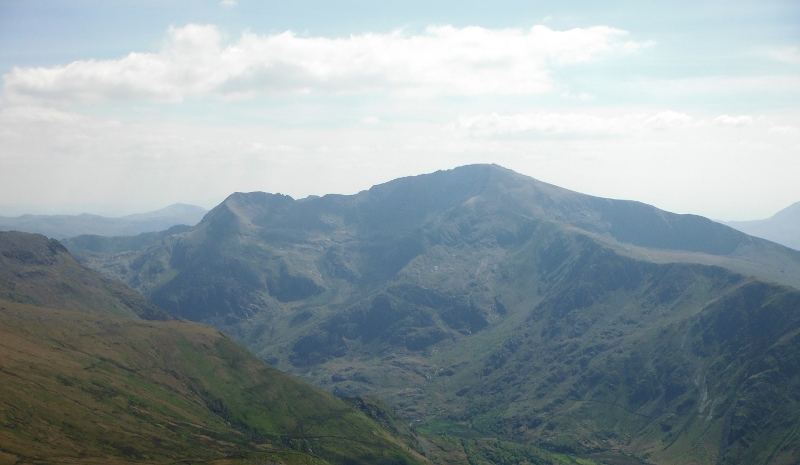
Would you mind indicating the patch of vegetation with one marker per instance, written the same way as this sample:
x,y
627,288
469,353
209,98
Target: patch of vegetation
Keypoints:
x,y
79,387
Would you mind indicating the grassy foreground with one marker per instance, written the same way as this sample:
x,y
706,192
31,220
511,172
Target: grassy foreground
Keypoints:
x,y
80,388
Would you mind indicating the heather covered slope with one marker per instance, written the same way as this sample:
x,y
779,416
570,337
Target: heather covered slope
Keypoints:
x,y
39,271
478,300
88,387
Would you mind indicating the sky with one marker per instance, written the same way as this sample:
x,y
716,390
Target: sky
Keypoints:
x,y
128,106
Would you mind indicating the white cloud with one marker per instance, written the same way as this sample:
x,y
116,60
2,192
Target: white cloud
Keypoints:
x,y
36,114
789,55
229,3
663,120
570,123
742,120
784,130
720,85
442,60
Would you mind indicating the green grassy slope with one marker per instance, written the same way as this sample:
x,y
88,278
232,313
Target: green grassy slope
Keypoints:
x,y
89,387
97,389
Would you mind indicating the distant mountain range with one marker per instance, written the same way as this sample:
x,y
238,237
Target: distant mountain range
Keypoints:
x,y
479,302
63,226
783,227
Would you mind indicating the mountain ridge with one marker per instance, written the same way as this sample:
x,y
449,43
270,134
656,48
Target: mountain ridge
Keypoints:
x,y
422,290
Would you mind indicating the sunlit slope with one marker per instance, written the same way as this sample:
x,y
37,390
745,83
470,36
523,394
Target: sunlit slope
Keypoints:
x,y
87,388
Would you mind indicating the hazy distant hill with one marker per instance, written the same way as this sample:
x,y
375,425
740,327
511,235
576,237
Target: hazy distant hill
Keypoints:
x,y
783,227
109,245
63,226
480,302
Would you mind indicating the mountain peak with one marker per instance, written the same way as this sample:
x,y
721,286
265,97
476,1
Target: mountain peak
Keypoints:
x,y
407,203
790,213
484,297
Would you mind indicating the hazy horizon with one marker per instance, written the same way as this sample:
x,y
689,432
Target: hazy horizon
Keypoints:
x,y
119,211
126,107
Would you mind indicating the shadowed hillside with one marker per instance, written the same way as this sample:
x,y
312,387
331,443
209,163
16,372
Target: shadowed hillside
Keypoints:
x,y
88,387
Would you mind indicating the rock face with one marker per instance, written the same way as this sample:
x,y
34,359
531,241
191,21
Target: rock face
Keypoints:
x,y
486,299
